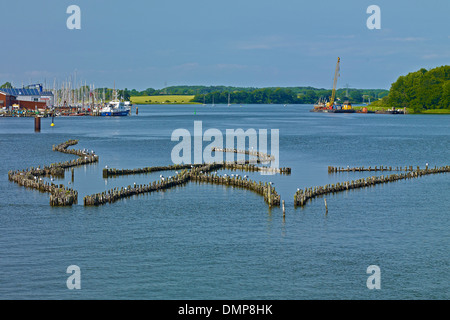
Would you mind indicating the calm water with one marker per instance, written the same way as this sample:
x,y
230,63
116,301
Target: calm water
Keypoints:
x,y
217,242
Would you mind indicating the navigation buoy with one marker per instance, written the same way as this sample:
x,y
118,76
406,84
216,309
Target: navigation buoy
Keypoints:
x,y
52,125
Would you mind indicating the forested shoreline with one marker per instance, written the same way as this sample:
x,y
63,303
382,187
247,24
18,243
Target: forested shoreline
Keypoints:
x,y
269,95
419,91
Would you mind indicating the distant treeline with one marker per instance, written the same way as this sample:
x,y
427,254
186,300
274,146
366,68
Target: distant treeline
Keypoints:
x,y
420,90
249,95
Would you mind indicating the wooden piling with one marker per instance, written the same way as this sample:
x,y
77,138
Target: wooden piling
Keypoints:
x,y
59,195
197,173
301,197
37,124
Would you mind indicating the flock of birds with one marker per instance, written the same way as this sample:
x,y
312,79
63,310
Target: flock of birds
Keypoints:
x,y
215,173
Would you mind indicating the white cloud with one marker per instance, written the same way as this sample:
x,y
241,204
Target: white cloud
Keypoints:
x,y
264,43
187,66
407,39
430,56
253,46
231,66
435,56
343,36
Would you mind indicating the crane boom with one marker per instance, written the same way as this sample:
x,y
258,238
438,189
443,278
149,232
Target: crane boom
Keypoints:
x,y
336,75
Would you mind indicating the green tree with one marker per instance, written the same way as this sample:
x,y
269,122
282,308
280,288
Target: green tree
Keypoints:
x,y
355,96
421,90
445,101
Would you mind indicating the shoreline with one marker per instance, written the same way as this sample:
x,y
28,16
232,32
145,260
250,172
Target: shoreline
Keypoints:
x,y
408,110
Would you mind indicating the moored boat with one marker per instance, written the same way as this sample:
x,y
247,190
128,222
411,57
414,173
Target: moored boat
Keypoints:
x,y
115,108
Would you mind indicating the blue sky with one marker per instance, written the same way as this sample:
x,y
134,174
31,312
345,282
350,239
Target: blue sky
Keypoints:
x,y
250,43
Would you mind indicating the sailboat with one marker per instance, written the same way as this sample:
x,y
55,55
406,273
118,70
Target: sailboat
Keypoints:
x,y
229,100
213,101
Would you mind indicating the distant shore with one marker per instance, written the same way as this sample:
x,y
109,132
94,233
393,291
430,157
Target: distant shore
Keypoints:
x,y
187,99
408,110
163,99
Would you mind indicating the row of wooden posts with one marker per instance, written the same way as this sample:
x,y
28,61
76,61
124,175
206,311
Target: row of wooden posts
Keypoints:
x,y
376,168
63,196
302,196
230,165
263,157
59,194
198,173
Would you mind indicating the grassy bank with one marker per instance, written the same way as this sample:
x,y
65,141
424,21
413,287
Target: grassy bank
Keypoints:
x,y
377,108
165,99
437,111
408,110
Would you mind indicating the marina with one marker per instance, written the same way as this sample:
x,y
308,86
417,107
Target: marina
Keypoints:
x,y
68,100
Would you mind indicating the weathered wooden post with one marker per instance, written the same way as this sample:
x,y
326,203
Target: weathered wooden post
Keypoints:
x,y
37,124
326,206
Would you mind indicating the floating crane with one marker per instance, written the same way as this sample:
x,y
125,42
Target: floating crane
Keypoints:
x,y
323,106
333,93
